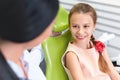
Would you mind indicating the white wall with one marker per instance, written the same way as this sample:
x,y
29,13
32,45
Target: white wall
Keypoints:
x,y
108,20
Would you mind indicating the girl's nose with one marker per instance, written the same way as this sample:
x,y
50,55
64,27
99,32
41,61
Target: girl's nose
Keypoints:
x,y
80,31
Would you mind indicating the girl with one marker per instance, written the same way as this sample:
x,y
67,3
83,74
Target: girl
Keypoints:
x,y
85,58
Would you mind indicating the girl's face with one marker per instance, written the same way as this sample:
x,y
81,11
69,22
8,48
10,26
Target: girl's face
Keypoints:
x,y
81,27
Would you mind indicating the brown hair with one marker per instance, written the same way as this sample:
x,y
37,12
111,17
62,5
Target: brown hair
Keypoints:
x,y
85,8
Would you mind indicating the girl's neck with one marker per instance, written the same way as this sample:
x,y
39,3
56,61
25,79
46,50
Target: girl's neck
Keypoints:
x,y
84,45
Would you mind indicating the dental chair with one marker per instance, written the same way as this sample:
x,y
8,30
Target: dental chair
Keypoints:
x,y
54,47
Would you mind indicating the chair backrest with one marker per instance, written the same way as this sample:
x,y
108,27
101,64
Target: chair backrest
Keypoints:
x,y
61,20
54,47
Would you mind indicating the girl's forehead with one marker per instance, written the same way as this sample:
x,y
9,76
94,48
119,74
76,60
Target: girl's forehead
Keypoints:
x,y
81,17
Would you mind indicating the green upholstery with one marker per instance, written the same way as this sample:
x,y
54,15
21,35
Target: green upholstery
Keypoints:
x,y
53,49
61,20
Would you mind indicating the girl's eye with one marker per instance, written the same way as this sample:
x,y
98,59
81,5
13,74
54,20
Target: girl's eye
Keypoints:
x,y
86,26
75,26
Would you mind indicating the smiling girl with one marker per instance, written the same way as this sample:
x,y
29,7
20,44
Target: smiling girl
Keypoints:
x,y
86,58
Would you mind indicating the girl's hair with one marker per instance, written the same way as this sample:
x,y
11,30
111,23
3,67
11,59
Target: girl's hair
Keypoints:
x,y
85,8
102,63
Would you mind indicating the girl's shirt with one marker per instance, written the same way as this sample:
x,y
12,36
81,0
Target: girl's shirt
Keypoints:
x,y
88,59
